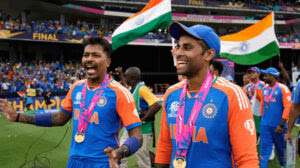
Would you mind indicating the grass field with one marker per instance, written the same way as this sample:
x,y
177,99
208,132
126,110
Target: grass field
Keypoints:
x,y
23,145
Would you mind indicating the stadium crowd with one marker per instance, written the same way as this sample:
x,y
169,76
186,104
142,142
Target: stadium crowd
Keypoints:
x,y
55,76
82,28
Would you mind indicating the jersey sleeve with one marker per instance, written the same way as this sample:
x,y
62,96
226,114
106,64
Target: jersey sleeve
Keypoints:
x,y
242,131
67,104
146,94
126,109
287,102
164,145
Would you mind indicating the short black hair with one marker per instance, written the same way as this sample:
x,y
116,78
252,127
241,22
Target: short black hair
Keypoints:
x,y
100,41
217,65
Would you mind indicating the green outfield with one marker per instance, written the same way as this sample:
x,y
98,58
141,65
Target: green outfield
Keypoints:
x,y
23,145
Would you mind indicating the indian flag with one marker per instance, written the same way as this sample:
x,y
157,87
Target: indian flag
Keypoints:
x,y
252,45
155,15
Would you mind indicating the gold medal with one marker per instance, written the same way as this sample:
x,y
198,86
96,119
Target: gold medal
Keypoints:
x,y
179,162
267,106
79,137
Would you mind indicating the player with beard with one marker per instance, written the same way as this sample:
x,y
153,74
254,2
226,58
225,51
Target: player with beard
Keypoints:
x,y
98,106
206,120
275,101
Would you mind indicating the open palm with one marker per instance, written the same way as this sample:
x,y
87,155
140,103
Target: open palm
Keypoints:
x,y
7,110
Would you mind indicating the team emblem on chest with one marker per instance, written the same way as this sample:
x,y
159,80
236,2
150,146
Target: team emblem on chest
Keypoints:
x,y
173,108
78,98
102,101
209,111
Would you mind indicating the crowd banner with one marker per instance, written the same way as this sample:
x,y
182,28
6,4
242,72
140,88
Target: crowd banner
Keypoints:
x,y
38,104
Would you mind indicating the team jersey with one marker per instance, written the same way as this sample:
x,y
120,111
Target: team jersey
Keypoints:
x,y
296,94
247,88
115,108
279,107
224,127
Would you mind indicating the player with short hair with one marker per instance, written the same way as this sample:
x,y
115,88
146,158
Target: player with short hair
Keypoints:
x,y
206,120
99,107
275,101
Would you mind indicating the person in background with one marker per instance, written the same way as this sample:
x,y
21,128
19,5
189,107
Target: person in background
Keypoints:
x,y
246,80
216,67
275,101
147,105
295,112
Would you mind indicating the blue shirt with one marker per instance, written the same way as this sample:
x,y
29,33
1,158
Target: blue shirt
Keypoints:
x,y
115,108
296,94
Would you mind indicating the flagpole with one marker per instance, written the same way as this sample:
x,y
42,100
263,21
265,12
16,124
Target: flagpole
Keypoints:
x,y
173,46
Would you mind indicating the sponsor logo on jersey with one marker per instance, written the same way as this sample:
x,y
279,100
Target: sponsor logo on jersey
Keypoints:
x,y
209,111
173,109
250,126
102,101
78,98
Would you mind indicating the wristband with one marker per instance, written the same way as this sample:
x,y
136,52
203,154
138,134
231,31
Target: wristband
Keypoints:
x,y
281,126
133,144
43,120
17,120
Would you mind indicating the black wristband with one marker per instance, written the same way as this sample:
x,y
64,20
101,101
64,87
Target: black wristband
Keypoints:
x,y
17,120
281,126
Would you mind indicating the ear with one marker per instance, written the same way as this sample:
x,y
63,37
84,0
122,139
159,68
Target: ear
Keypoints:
x,y
209,54
108,62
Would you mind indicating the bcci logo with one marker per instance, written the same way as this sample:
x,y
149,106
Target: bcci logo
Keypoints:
x,y
78,98
173,109
139,20
250,126
209,111
265,92
244,47
102,101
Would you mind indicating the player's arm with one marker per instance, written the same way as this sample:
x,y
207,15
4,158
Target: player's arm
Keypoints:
x,y
242,132
44,119
284,73
127,111
164,145
295,111
152,101
286,100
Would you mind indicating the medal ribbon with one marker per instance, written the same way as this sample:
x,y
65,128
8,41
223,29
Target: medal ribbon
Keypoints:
x,y
85,115
269,97
184,136
254,86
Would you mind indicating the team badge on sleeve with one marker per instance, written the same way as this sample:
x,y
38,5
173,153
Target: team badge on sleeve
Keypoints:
x,y
209,111
102,101
250,126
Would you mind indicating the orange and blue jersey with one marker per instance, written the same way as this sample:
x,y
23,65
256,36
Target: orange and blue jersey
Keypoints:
x,y
247,88
279,107
224,132
115,109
